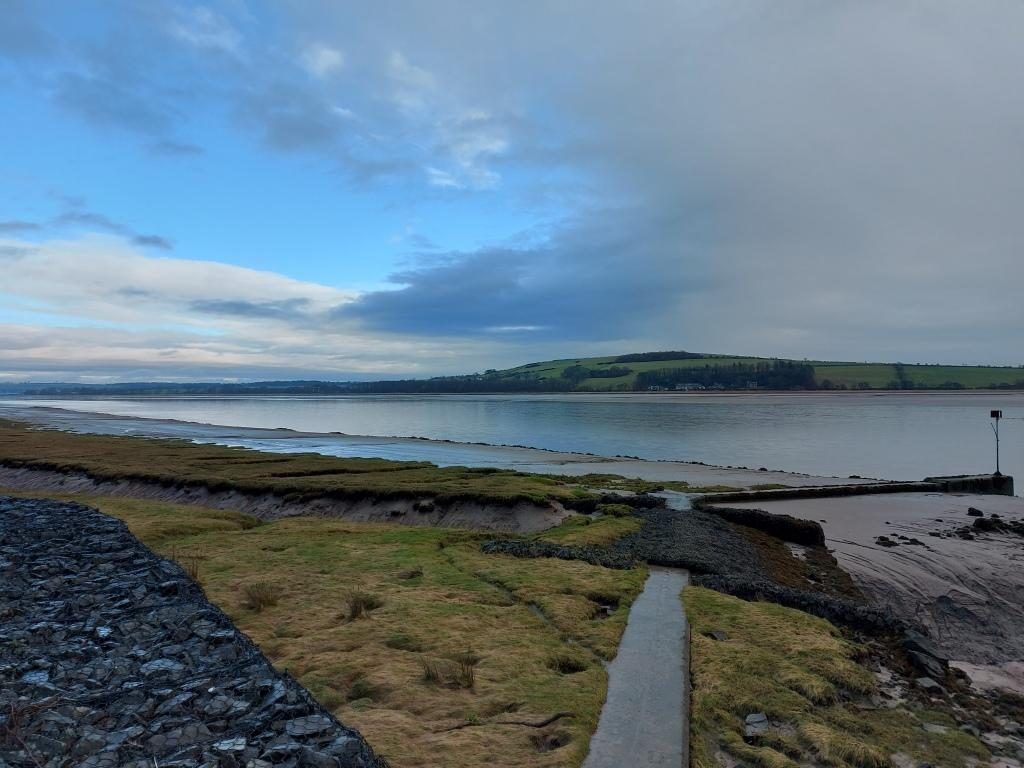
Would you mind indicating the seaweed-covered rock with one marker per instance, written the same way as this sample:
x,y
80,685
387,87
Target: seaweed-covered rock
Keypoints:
x,y
716,555
111,656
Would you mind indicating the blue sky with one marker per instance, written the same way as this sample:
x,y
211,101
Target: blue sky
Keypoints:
x,y
244,190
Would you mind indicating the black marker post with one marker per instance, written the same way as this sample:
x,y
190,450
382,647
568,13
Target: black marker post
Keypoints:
x,y
996,416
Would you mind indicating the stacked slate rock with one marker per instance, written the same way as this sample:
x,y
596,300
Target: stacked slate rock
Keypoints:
x,y
717,556
111,657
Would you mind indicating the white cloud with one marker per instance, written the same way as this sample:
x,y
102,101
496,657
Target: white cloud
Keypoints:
x,y
322,60
97,309
413,86
442,179
204,28
103,278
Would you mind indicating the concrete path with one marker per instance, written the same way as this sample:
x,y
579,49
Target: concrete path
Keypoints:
x,y
646,717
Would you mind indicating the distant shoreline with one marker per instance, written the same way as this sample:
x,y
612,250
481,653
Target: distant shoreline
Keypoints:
x,y
729,393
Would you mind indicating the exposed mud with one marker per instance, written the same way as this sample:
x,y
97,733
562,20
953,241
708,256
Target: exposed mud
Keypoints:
x,y
909,553
522,517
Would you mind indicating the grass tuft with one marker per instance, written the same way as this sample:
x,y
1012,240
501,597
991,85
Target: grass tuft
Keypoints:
x,y
567,664
258,595
401,642
361,688
432,670
465,675
458,674
359,604
838,748
188,563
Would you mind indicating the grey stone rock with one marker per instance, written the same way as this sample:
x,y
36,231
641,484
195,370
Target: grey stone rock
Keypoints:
x,y
317,759
755,725
931,666
237,744
343,746
928,685
175,703
89,743
161,665
308,726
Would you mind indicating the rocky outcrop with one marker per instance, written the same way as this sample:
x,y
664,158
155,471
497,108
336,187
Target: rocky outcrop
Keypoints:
x,y
111,656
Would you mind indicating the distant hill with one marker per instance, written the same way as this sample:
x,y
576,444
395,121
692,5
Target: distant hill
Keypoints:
x,y
644,371
681,370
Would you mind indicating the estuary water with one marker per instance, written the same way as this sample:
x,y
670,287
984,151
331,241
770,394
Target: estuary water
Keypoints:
x,y
898,436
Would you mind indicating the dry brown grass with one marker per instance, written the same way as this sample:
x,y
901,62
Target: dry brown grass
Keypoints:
x,y
359,604
258,595
188,563
801,671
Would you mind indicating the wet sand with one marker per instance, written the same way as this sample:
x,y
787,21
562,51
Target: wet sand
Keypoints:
x,y
968,593
440,452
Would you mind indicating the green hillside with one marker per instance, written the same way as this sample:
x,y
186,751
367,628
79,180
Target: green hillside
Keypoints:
x,y
826,375
645,371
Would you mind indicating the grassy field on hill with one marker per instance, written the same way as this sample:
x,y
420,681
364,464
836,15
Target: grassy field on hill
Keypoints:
x,y
623,373
846,375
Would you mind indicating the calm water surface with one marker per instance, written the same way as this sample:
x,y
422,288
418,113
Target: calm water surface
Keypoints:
x,y
897,436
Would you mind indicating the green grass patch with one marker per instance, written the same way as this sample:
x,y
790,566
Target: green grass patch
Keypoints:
x,y
602,531
293,476
850,375
799,670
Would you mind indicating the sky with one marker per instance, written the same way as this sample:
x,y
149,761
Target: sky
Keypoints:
x,y
303,189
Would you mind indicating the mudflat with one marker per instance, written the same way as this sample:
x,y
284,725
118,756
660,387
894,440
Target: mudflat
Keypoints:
x,y
911,552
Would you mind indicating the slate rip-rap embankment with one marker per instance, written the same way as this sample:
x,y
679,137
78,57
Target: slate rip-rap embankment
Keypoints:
x,y
112,657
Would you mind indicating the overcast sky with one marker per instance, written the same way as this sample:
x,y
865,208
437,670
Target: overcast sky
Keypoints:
x,y
329,189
